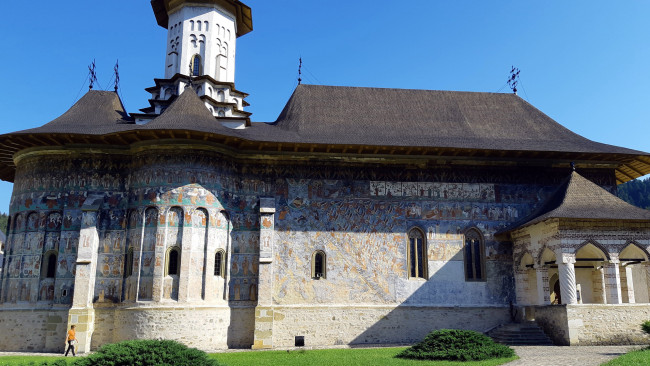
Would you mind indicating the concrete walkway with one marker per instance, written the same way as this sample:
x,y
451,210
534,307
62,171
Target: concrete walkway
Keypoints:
x,y
529,355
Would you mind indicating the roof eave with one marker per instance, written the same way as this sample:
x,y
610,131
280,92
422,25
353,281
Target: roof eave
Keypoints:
x,y
241,11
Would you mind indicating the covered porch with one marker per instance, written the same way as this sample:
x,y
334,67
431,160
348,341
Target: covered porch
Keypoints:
x,y
582,266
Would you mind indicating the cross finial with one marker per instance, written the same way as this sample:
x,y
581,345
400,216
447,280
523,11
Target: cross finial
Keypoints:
x,y
300,71
513,80
117,74
93,74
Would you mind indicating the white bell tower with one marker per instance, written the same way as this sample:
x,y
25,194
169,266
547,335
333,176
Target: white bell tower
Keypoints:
x,y
202,40
201,48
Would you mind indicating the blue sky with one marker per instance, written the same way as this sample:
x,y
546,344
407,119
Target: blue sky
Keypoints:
x,y
584,63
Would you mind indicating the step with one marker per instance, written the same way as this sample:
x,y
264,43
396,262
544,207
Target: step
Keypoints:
x,y
515,334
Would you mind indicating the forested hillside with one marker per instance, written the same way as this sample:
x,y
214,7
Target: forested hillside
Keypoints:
x,y
636,192
3,222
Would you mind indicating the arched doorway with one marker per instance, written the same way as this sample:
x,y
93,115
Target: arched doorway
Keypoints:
x,y
634,282
554,285
590,279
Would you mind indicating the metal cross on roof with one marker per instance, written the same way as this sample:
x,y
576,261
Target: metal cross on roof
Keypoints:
x,y
93,74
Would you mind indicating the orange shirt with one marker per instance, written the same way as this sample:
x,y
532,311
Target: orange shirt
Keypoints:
x,y
71,335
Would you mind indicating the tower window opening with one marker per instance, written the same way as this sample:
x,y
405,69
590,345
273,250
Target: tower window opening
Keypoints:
x,y
196,65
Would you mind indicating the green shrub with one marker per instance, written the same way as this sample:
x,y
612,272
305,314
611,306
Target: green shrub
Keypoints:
x,y
645,326
457,345
147,353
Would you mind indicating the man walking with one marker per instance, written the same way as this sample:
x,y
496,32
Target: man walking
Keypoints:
x,y
72,339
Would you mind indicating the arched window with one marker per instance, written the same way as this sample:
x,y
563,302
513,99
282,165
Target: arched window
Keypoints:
x,y
318,264
173,262
417,254
196,65
219,263
474,256
49,264
128,263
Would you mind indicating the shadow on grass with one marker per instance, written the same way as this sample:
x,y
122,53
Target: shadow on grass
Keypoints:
x,y
638,357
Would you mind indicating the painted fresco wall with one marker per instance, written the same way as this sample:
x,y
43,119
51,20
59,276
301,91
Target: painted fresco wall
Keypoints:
x,y
46,216
200,202
361,225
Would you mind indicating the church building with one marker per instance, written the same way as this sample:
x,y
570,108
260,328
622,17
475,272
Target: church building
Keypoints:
x,y
360,216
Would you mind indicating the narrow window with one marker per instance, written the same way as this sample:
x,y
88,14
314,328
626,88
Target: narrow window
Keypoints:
x,y
49,264
128,263
474,256
196,65
219,263
416,254
318,264
172,262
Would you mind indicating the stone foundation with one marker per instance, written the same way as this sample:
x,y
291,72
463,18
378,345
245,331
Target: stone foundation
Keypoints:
x,y
206,328
342,325
594,324
33,330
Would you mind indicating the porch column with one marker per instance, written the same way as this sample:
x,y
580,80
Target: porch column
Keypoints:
x,y
612,282
629,282
567,275
598,279
646,266
543,292
521,279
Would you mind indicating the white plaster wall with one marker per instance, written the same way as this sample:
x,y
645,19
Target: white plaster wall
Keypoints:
x,y
221,32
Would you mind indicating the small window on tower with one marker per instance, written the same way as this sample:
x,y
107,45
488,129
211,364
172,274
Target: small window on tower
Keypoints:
x,y
196,65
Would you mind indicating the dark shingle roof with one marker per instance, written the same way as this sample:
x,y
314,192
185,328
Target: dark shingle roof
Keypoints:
x,y
438,122
186,112
427,118
579,198
97,112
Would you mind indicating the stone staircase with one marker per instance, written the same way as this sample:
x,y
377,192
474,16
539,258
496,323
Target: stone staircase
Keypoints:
x,y
520,334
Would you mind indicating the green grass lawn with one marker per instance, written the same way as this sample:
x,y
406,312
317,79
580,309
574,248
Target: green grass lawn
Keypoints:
x,y
336,357
640,357
326,357
17,360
